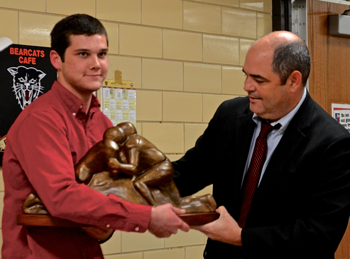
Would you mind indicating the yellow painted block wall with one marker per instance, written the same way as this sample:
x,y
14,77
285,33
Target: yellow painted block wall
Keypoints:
x,y
186,58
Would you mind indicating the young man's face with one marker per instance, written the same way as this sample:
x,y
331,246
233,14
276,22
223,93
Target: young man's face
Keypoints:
x,y
85,64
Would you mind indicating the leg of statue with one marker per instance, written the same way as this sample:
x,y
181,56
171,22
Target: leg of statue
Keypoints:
x,y
159,174
193,204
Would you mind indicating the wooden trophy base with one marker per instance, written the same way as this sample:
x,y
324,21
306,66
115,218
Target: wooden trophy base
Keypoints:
x,y
192,219
37,220
196,219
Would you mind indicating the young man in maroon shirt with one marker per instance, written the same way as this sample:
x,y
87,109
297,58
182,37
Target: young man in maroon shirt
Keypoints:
x,y
49,137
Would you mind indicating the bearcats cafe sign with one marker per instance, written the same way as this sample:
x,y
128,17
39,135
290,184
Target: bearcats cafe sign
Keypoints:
x,y
25,74
27,56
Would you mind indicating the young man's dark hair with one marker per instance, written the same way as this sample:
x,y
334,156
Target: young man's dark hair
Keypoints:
x,y
77,24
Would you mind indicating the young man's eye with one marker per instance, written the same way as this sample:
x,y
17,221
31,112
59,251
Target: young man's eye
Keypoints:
x,y
102,54
83,54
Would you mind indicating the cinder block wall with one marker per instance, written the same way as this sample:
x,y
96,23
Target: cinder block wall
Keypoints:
x,y
186,58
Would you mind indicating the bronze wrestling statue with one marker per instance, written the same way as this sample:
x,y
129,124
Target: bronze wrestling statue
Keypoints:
x,y
137,171
129,166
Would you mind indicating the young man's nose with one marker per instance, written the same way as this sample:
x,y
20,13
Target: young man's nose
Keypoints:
x,y
95,62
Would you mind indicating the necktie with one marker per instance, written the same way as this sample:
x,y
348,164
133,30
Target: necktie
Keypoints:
x,y
253,174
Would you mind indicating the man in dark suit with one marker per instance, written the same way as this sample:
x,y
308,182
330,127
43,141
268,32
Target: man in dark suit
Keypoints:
x,y
300,207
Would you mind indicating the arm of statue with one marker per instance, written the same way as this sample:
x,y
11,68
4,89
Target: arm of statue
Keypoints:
x,y
131,167
115,167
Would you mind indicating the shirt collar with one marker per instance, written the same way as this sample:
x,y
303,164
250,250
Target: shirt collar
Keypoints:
x,y
72,102
284,121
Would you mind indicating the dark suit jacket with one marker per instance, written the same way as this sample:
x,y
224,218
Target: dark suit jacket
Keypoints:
x,y
301,207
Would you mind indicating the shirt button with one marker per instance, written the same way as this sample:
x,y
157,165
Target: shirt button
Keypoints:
x,y
74,114
137,229
81,106
108,226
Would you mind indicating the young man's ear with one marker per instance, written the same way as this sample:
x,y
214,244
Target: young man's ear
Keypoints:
x,y
55,59
295,81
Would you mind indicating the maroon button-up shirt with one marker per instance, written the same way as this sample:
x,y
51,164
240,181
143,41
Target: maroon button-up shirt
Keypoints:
x,y
43,145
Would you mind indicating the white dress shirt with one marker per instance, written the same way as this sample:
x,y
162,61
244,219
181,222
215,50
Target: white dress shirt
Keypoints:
x,y
273,138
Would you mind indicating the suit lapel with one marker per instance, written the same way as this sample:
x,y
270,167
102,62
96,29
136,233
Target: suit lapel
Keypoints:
x,y
289,143
244,130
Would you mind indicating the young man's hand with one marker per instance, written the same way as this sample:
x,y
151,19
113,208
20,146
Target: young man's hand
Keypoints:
x,y
165,221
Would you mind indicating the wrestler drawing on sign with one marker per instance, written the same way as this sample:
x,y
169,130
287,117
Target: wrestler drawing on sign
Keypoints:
x,y
2,143
26,84
138,171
